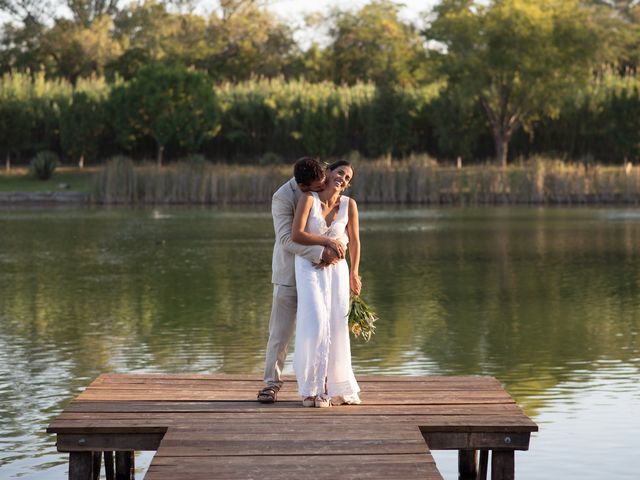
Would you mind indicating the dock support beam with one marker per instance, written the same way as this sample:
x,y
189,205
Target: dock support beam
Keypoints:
x,y
108,466
97,463
467,464
80,465
502,465
483,465
125,466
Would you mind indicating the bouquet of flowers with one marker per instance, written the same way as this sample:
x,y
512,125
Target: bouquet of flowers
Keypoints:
x,y
361,318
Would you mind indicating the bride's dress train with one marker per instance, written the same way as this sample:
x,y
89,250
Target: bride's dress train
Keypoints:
x,y
322,358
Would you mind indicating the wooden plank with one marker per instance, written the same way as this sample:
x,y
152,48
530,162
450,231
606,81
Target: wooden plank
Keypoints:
x,y
298,439
182,410
348,467
170,412
306,461
427,423
284,408
384,472
370,398
254,386
250,391
275,447
294,432
290,379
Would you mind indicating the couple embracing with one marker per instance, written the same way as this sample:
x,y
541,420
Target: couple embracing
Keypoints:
x,y
313,223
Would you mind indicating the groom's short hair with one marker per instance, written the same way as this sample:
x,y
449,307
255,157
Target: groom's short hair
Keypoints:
x,y
307,170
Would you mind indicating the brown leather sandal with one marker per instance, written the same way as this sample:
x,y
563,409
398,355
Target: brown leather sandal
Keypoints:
x,y
268,395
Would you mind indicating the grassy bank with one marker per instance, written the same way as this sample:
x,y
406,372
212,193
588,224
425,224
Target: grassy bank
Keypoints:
x,y
417,180
73,179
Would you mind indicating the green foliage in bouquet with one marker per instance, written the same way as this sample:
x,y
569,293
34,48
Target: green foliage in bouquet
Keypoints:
x,y
361,318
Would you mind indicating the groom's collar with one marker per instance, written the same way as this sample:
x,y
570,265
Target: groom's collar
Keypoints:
x,y
295,188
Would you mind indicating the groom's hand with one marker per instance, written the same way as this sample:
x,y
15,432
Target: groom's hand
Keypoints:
x,y
329,257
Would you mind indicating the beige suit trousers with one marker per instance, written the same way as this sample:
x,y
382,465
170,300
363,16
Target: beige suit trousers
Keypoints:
x,y
282,326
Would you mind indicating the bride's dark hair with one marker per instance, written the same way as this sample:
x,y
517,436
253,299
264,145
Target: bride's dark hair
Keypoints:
x,y
341,163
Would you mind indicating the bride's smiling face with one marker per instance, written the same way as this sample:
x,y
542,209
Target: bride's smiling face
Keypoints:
x,y
340,178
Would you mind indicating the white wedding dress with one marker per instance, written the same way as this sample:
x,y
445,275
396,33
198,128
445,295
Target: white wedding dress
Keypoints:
x,y
322,357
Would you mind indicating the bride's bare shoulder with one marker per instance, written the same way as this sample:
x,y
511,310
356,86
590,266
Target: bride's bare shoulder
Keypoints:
x,y
353,206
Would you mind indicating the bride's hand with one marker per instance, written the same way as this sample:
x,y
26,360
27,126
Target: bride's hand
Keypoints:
x,y
355,283
338,246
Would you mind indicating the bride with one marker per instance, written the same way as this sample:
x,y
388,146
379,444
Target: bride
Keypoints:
x,y
322,358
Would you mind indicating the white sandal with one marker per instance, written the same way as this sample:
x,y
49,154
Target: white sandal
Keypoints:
x,y
323,401
309,402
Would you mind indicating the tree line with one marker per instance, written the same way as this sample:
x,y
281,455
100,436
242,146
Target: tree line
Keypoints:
x,y
502,78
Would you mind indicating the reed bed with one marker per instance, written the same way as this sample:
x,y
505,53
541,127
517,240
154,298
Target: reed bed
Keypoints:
x,y
416,180
122,181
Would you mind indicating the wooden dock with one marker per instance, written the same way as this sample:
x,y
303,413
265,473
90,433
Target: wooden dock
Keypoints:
x,y
211,427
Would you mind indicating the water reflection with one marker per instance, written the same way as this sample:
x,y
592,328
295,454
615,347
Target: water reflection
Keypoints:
x,y
547,300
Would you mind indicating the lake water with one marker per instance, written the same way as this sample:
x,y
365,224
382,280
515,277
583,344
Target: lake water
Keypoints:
x,y
547,300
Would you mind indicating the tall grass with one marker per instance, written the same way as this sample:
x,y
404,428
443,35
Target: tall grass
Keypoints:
x,y
416,180
120,181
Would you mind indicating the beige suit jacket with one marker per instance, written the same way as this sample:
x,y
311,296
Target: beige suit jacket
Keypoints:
x,y
283,205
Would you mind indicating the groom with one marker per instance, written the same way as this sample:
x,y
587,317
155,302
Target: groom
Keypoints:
x,y
309,176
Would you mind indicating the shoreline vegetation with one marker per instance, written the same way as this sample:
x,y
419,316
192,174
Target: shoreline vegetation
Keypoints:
x,y
415,180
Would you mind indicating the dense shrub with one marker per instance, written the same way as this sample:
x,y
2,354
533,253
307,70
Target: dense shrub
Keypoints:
x,y
44,163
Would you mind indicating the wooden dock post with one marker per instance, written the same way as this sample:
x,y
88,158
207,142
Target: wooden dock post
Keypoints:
x,y
109,471
502,465
483,465
80,465
125,465
467,464
97,463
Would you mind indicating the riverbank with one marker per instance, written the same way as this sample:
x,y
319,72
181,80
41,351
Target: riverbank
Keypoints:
x,y
417,180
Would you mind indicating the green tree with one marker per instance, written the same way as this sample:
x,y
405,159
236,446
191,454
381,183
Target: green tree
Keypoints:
x,y
373,44
14,128
517,58
248,41
618,22
82,123
168,104
20,48
74,51
457,124
85,12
